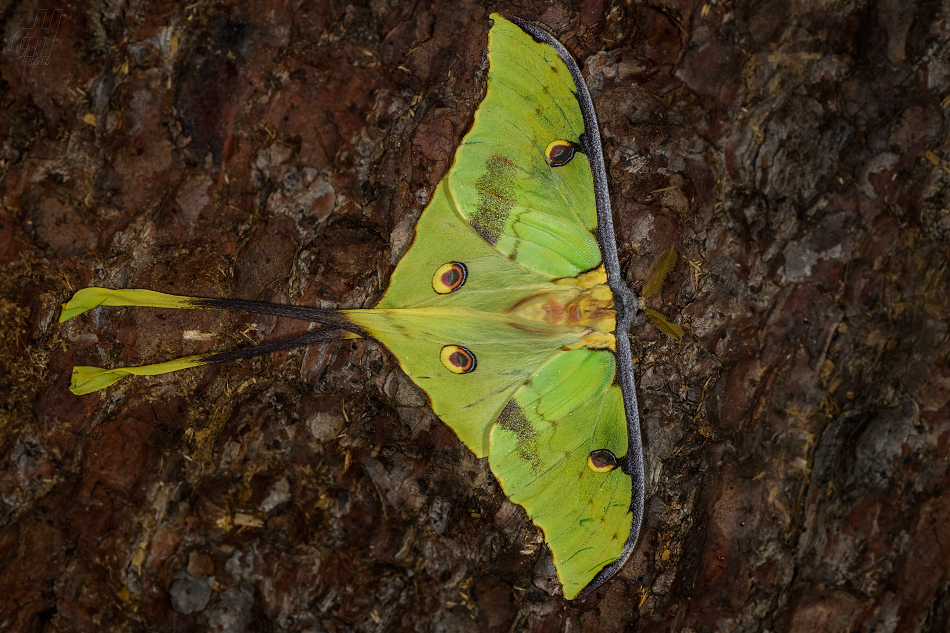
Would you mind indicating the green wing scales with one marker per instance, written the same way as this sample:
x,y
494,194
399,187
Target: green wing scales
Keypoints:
x,y
540,449
493,284
541,411
506,353
508,309
542,216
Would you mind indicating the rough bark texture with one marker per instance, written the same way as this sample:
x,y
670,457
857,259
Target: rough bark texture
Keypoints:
x,y
794,153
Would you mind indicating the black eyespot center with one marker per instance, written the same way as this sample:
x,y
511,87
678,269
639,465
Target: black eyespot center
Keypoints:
x,y
451,277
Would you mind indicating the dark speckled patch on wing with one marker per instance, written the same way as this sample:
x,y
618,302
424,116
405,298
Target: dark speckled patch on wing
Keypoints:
x,y
496,197
513,419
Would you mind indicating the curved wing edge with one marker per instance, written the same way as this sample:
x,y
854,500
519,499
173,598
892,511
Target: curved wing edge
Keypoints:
x,y
626,300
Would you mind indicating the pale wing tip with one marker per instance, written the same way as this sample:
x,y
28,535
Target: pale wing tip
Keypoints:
x,y
86,379
608,571
82,301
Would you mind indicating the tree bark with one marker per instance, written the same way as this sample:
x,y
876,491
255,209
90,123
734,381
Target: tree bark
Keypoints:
x,y
796,156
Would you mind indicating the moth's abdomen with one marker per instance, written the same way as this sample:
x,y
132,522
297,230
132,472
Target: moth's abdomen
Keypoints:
x,y
583,303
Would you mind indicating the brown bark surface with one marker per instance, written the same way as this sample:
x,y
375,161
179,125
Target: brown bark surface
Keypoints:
x,y
794,153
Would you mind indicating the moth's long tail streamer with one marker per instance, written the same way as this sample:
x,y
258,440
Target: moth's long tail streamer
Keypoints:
x,y
88,379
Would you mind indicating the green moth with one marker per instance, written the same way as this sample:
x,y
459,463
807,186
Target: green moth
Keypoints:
x,y
509,310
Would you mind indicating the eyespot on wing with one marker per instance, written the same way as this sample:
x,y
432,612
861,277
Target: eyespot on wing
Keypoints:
x,y
457,359
449,277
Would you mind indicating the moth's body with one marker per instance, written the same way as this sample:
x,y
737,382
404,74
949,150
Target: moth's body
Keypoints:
x,y
583,303
581,307
508,310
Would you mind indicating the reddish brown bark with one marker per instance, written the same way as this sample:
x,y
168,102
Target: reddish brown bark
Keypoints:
x,y
794,154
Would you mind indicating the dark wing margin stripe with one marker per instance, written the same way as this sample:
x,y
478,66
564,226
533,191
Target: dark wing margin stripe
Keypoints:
x,y
625,300
632,463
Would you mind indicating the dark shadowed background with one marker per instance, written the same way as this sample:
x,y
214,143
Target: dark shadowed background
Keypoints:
x,y
795,154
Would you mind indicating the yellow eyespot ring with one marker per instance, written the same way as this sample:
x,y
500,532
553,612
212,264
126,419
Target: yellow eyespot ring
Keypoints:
x,y
449,277
602,461
559,153
457,359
